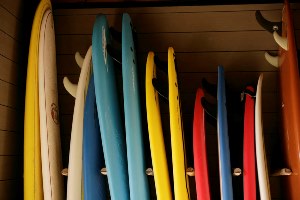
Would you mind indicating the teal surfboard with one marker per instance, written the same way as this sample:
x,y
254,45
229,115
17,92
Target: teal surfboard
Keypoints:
x,y
223,140
112,133
93,158
138,182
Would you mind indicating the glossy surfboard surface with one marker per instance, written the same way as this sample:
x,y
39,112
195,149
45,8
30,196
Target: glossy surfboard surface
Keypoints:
x,y
93,158
290,100
74,185
138,182
223,140
261,161
49,119
156,138
199,147
33,183
109,112
181,182
249,169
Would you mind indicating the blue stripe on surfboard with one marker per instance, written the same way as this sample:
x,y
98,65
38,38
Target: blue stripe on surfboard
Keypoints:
x,y
112,133
223,140
93,158
138,182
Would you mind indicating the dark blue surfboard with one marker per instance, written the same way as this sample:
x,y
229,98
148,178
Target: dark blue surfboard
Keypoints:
x,y
109,113
93,158
138,182
223,140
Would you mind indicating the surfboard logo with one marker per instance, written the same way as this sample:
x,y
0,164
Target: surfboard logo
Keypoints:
x,y
104,45
54,113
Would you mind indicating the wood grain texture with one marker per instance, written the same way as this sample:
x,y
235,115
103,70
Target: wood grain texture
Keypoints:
x,y
11,143
11,189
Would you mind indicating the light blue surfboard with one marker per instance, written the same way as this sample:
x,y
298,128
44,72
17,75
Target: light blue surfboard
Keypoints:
x,y
93,158
138,182
223,140
112,133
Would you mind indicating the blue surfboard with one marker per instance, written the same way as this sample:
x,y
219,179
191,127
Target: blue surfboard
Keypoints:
x,y
109,113
223,140
93,158
138,182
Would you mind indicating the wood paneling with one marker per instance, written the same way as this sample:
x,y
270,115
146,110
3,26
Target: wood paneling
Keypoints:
x,y
11,189
8,70
12,167
11,143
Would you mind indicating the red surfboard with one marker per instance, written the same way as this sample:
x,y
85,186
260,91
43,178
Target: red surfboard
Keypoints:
x,y
249,146
199,147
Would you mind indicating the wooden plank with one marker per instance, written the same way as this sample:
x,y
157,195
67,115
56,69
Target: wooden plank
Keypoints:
x,y
236,80
8,119
66,65
9,24
207,41
182,42
14,7
170,9
8,70
11,167
170,22
11,189
9,94
190,62
8,47
11,143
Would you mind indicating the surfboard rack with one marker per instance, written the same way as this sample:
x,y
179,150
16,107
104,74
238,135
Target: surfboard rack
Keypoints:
x,y
273,60
282,172
268,25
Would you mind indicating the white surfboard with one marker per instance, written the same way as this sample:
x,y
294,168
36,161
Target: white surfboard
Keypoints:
x,y
261,161
74,187
49,119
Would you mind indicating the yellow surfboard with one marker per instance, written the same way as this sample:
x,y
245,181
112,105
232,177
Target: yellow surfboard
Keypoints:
x,y
157,145
181,184
33,184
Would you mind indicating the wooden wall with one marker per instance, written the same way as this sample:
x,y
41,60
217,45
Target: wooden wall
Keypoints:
x,y
14,40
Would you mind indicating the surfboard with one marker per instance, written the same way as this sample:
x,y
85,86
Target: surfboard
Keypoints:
x,y
199,147
156,138
223,140
33,183
74,185
261,161
109,113
249,171
138,182
48,104
93,158
181,183
290,101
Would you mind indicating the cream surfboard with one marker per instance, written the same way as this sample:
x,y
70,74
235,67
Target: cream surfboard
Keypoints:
x,y
49,121
156,138
33,184
261,161
74,186
181,183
